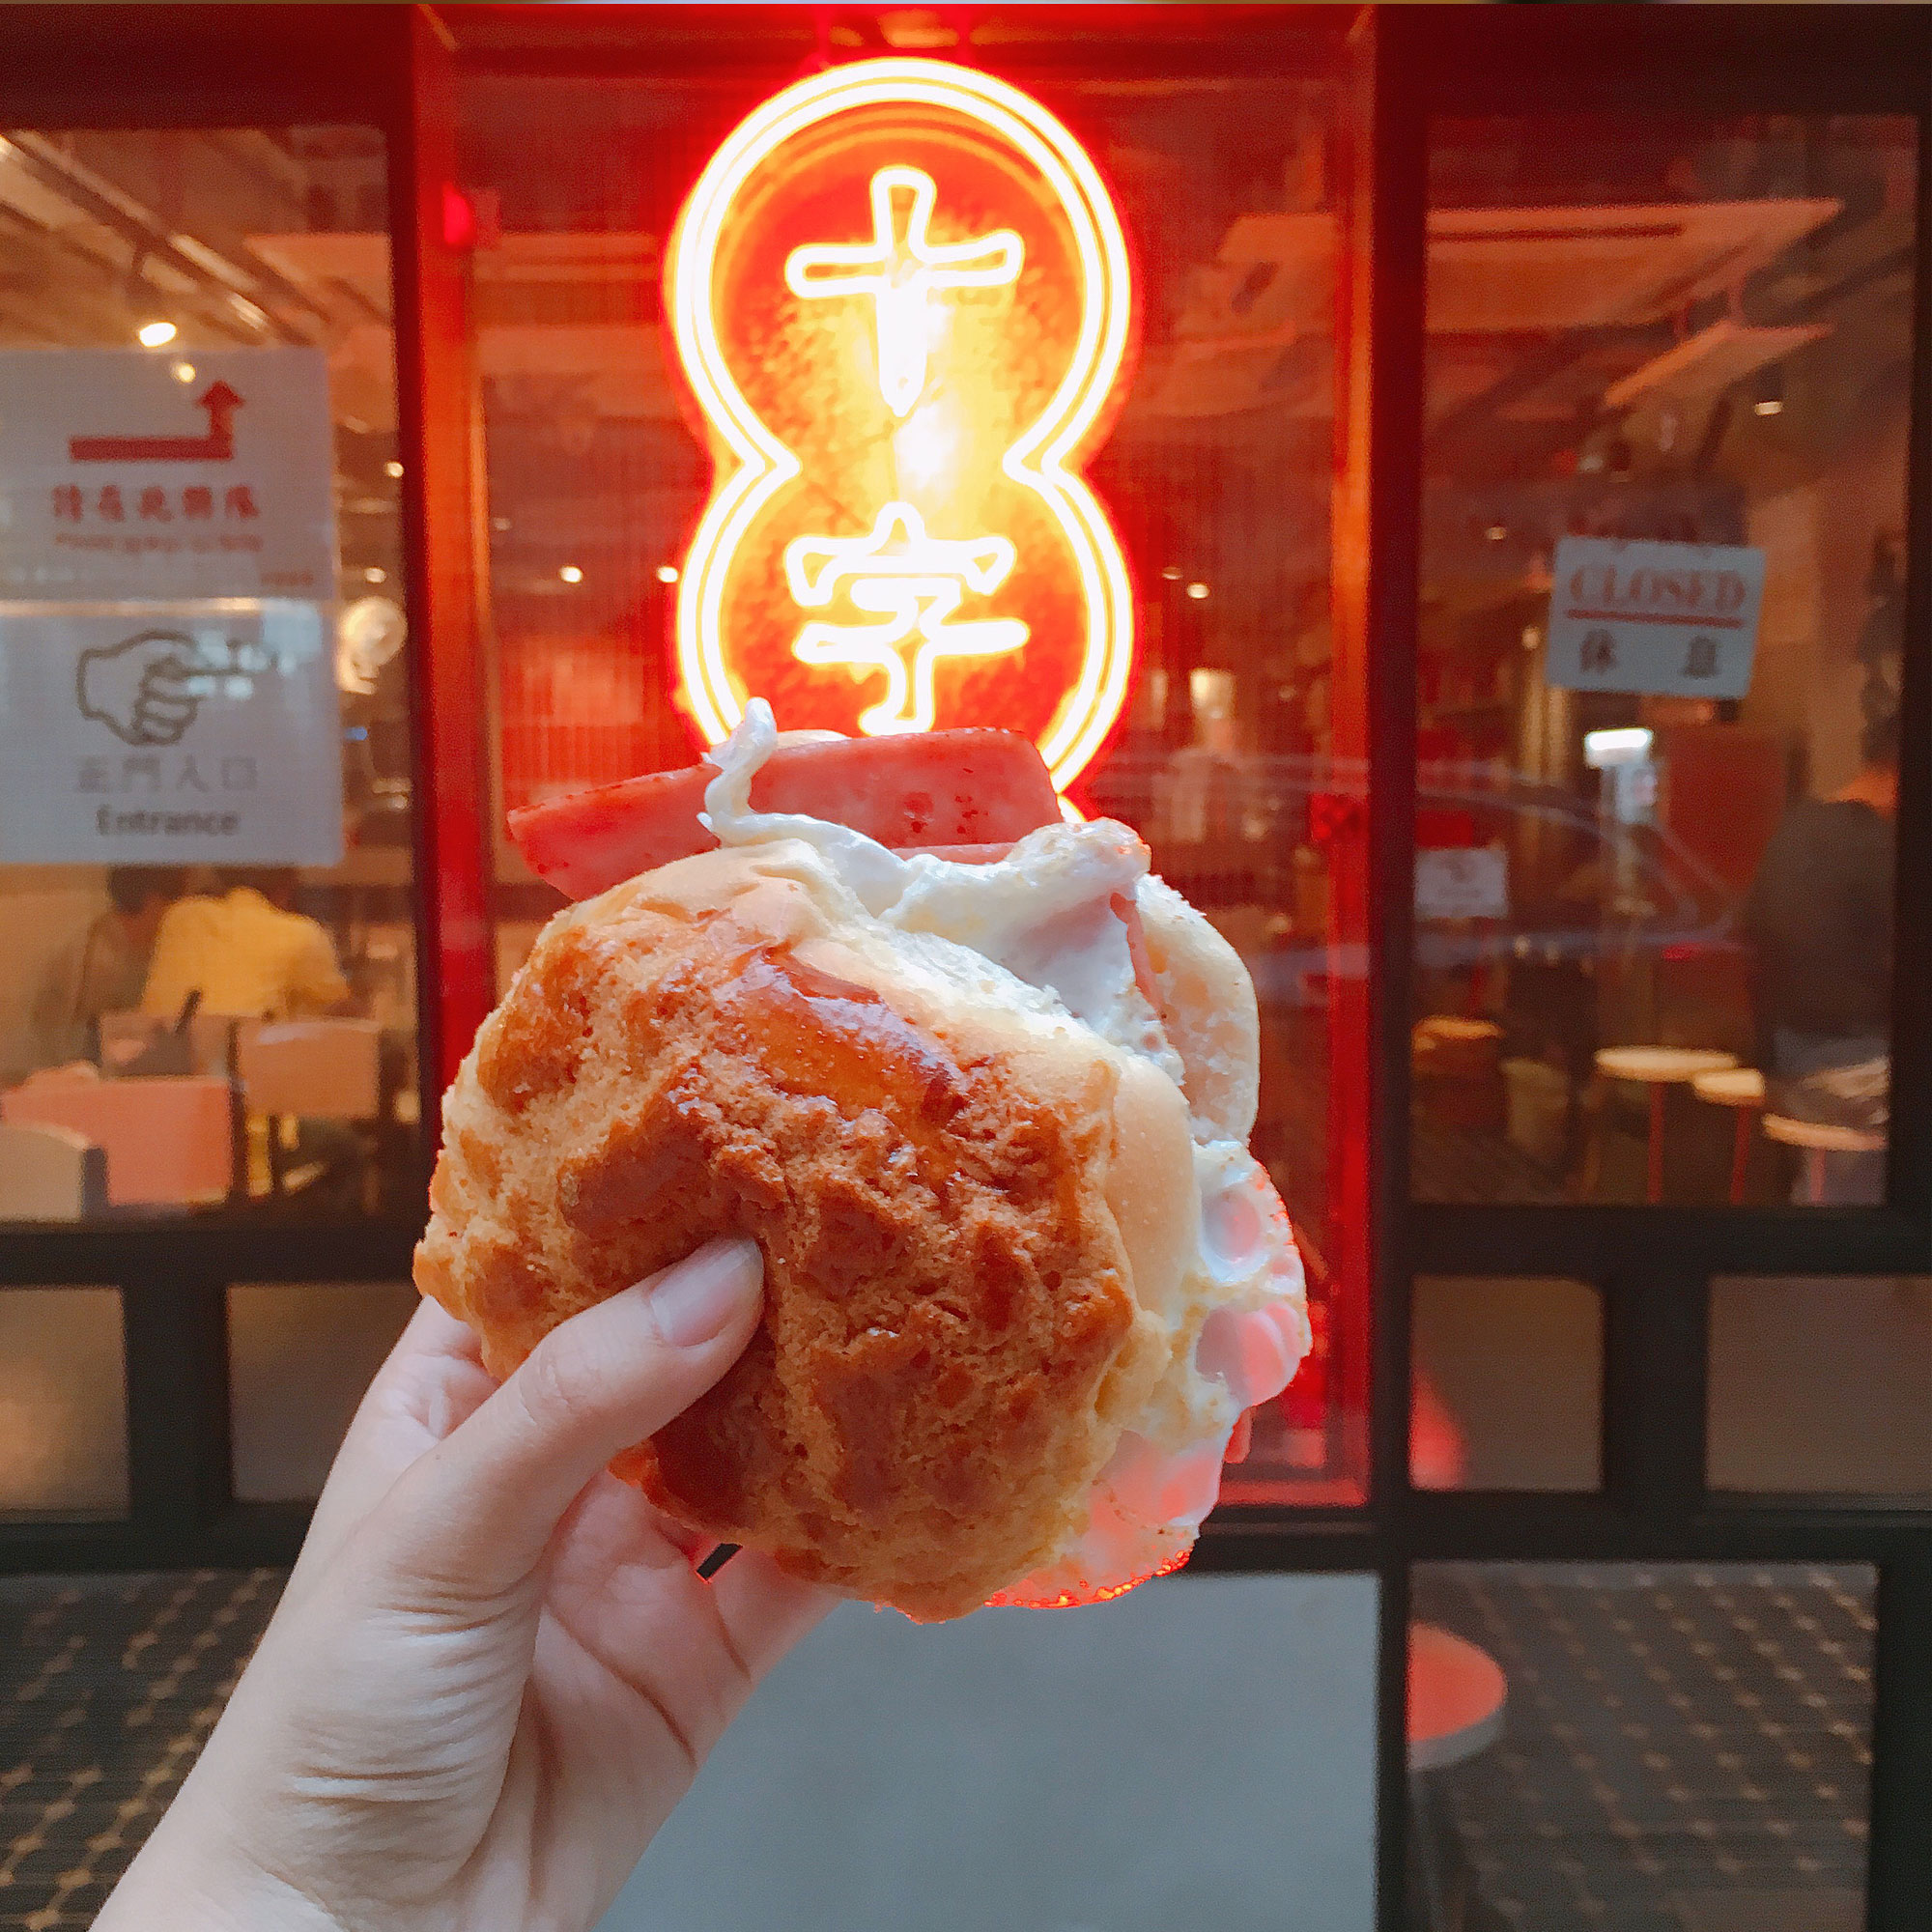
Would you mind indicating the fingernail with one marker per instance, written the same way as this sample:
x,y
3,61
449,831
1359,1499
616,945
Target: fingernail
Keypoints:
x,y
702,1297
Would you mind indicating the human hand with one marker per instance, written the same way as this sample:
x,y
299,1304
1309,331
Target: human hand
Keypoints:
x,y
139,689
496,1668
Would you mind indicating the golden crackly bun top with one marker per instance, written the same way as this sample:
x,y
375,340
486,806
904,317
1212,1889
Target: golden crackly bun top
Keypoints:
x,y
1021,1277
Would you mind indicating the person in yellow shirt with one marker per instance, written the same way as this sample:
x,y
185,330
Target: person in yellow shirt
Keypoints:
x,y
246,952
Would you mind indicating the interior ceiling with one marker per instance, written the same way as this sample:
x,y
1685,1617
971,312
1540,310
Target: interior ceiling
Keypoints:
x,y
1495,276
1543,316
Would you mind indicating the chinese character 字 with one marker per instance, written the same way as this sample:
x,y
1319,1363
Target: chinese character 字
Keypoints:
x,y
198,502
66,501
154,505
92,774
108,503
914,583
239,501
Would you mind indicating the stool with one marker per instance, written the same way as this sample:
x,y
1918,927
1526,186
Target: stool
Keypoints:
x,y
1741,1089
1457,1694
1817,1140
1657,1067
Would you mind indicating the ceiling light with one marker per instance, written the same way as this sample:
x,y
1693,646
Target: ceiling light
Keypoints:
x,y
1496,532
667,572
392,467
154,334
1197,591
571,574
182,372
1768,405
1604,751
375,575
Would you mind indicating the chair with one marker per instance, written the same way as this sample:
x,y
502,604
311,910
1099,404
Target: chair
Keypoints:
x,y
1742,1089
324,1069
1657,1067
50,1173
168,1138
1818,1141
125,1036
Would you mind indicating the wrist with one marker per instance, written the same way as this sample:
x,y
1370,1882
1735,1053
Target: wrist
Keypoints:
x,y
183,1882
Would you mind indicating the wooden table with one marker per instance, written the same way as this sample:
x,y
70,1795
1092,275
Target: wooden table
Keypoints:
x,y
1657,1067
1741,1089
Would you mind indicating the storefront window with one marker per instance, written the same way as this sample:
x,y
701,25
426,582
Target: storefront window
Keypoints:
x,y
1660,641
1217,474
208,958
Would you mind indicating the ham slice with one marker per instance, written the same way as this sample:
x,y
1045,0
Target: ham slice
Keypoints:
x,y
922,790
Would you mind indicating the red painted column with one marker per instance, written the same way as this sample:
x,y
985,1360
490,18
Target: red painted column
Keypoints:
x,y
447,563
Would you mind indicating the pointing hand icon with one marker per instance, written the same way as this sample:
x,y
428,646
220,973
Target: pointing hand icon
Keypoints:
x,y
139,689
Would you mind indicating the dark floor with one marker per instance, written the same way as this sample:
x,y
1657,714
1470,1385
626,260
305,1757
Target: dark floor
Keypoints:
x,y
1677,1741
108,1685
1682,1745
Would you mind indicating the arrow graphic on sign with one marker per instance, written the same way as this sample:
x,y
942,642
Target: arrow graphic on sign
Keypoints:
x,y
217,447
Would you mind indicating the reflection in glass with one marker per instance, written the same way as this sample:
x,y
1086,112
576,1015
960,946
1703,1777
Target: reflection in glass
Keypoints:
x,y
199,603
1684,1748
1659,658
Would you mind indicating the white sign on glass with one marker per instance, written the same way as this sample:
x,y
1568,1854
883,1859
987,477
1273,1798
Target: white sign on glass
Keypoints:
x,y
146,474
1670,618
150,734
1462,882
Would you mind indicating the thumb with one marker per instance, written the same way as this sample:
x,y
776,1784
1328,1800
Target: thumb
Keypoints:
x,y
477,1512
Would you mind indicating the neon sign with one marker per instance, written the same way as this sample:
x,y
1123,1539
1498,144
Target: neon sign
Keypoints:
x,y
900,295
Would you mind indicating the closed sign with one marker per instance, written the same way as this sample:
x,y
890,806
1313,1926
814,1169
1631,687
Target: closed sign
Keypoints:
x,y
1670,618
1462,882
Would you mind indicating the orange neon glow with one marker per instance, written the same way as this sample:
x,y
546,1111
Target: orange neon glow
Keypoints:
x,y
899,294
1083,1594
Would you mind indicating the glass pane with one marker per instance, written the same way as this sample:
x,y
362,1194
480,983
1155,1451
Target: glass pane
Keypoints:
x,y
1683,1748
298,1359
1218,473
62,1403
1660,645
1822,1386
207,974
1509,1384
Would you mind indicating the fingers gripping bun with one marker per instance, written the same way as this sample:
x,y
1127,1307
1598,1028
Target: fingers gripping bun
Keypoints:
x,y
964,1201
